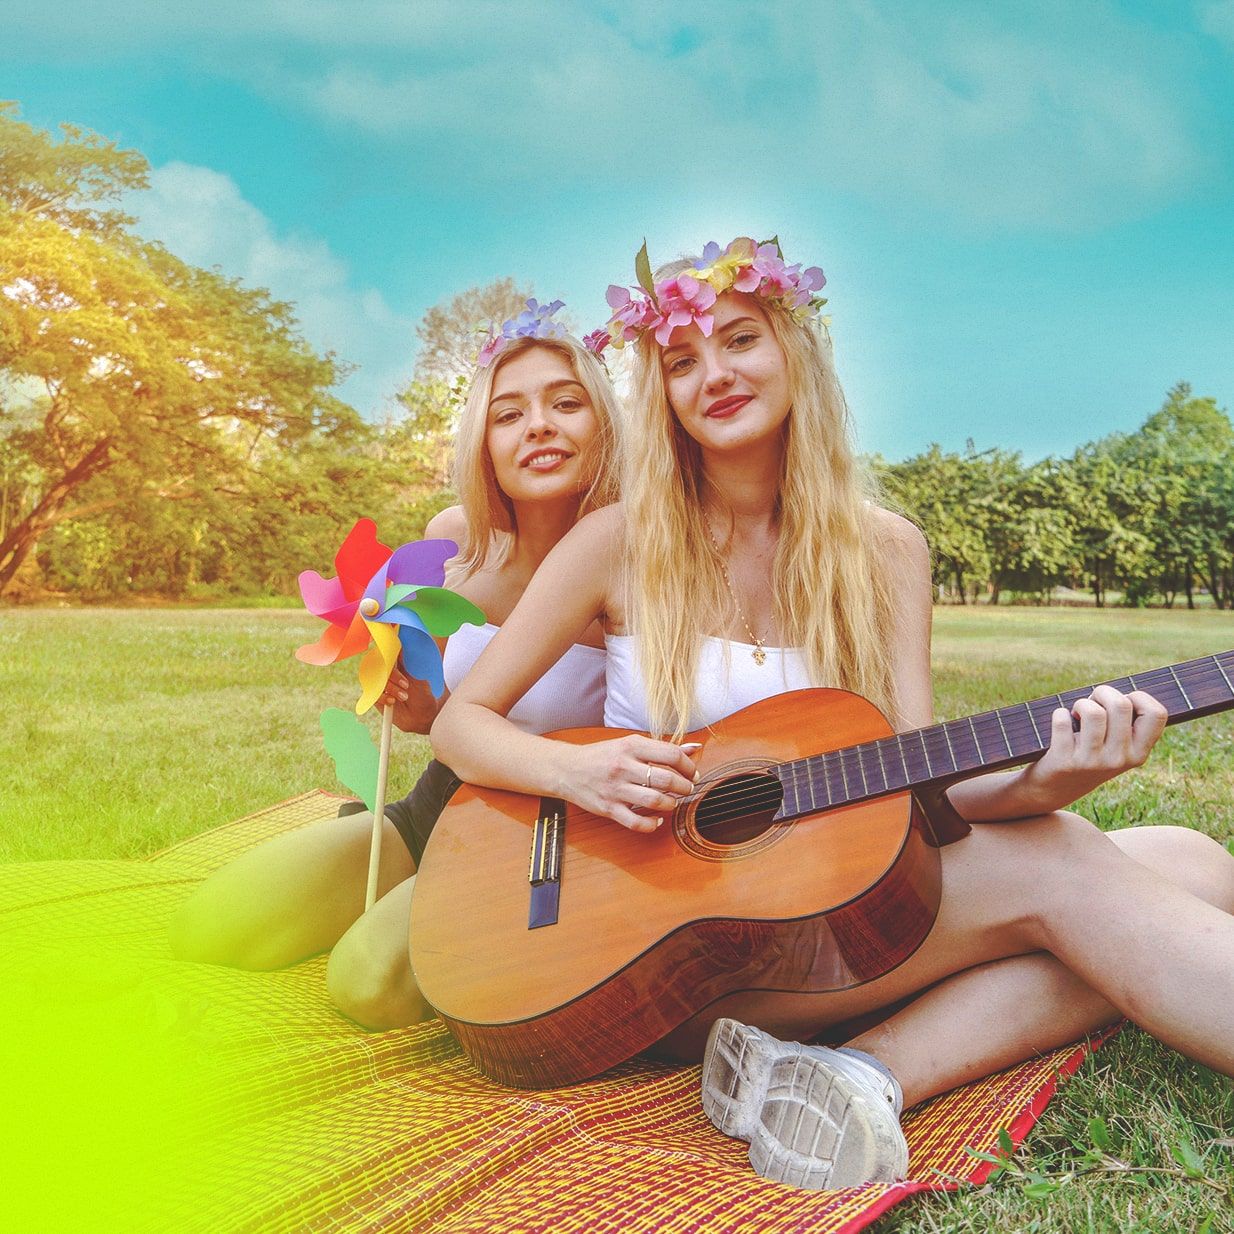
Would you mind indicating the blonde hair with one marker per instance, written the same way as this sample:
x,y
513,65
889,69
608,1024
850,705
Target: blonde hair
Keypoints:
x,y
491,524
832,593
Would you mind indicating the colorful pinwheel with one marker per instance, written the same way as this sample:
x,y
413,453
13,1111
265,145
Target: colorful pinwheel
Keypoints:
x,y
383,602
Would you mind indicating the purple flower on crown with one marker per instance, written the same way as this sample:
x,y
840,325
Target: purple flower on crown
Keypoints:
x,y
535,321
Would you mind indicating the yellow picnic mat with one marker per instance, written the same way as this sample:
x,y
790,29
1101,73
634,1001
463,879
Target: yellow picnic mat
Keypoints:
x,y
145,1093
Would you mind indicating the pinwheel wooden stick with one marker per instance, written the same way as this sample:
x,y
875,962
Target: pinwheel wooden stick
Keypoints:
x,y
387,604
369,608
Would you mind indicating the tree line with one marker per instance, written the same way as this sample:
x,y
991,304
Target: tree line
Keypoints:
x,y
166,430
1148,515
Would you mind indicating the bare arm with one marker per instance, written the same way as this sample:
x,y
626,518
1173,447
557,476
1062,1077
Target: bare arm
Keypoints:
x,y
415,708
1116,731
613,778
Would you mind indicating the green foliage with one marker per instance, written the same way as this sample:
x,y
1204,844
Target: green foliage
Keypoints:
x,y
1150,513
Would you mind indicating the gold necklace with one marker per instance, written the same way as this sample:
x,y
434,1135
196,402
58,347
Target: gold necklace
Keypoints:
x,y
759,655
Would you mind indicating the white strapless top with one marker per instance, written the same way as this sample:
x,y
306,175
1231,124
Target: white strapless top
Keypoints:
x,y
728,680
569,695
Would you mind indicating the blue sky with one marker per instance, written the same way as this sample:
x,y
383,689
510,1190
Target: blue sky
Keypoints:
x,y
1025,210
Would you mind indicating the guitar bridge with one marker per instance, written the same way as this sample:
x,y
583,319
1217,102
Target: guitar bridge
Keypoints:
x,y
544,870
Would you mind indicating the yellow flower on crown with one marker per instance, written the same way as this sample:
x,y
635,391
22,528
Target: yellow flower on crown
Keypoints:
x,y
720,269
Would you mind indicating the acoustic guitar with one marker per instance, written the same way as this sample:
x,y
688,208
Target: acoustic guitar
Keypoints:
x,y
555,943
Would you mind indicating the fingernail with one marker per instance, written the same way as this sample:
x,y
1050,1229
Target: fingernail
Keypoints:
x,y
659,822
692,745
698,775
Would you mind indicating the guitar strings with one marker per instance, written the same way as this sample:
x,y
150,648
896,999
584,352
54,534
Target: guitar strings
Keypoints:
x,y
1020,723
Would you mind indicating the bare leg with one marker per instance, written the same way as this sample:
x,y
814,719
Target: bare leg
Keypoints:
x,y
290,898
1132,939
1011,1009
369,976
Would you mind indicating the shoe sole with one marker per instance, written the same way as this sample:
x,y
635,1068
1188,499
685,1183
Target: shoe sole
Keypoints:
x,y
807,1125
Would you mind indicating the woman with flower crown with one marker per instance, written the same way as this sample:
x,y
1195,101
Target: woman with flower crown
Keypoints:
x,y
749,556
534,449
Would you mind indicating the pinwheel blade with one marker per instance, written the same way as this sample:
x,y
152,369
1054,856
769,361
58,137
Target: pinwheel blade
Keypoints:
x,y
442,611
336,643
421,658
421,562
377,664
348,743
321,596
359,558
396,593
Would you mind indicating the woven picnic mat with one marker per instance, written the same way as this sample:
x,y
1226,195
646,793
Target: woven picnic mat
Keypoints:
x,y
161,1095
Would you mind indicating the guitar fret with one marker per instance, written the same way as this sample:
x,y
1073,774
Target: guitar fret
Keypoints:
x,y
1229,685
1003,729
1033,720
810,786
1181,691
955,762
972,728
865,788
903,760
925,753
889,771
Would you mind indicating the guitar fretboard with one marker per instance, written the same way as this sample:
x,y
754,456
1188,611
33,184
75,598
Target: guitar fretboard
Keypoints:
x,y
984,742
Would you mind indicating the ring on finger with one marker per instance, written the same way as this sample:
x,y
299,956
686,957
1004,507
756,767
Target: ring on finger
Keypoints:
x,y
647,777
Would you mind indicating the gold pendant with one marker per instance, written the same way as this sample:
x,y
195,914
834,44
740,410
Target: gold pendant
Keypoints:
x,y
760,656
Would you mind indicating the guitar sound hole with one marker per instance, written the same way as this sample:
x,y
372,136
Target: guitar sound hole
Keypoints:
x,y
738,810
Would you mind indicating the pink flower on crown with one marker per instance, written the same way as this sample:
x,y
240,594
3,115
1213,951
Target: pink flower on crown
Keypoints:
x,y
494,346
789,284
631,315
684,301
597,341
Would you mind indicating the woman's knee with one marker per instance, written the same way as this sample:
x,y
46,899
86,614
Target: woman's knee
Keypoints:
x,y
1185,856
369,979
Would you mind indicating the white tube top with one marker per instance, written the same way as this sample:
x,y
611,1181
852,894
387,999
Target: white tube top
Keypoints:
x,y
728,680
569,695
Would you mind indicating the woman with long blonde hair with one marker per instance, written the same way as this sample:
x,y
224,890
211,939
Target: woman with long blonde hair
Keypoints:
x,y
534,450
749,557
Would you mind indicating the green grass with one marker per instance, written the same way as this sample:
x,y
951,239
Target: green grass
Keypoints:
x,y
123,730
126,729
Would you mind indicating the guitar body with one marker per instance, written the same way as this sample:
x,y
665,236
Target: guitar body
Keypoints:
x,y
650,929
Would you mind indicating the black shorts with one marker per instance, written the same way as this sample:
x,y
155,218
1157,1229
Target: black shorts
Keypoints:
x,y
416,815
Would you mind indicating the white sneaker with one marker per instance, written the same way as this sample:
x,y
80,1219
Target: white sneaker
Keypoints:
x,y
813,1117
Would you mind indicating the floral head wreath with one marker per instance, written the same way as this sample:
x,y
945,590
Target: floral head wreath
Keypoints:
x,y
535,321
687,298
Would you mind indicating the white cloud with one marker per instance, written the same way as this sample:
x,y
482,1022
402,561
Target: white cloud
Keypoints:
x,y
201,215
1052,115
1073,121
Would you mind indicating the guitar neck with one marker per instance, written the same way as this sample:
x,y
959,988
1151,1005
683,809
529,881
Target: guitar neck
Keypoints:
x,y
933,757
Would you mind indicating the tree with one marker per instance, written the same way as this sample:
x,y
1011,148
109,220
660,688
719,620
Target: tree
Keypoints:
x,y
115,354
451,332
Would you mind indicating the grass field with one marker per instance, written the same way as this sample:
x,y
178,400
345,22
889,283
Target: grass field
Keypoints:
x,y
123,730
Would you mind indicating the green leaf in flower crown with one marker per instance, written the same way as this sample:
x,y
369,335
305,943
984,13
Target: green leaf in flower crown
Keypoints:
x,y
776,241
443,611
642,270
351,747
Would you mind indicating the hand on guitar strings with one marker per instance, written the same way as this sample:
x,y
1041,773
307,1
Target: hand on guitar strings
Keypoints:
x,y
636,781
1115,732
